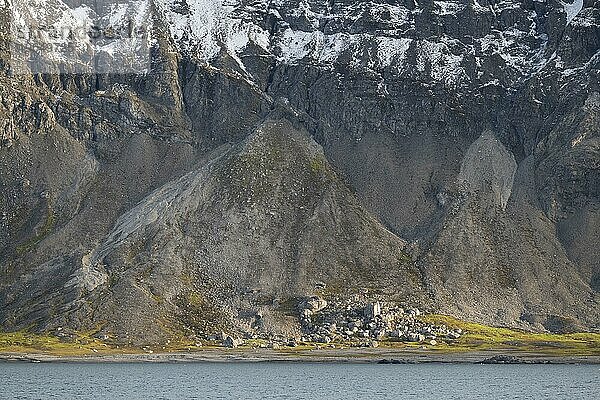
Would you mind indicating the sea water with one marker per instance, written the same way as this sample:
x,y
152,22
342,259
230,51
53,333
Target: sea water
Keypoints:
x,y
267,380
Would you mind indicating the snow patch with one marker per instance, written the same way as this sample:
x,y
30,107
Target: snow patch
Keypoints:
x,y
51,37
317,47
513,47
297,45
444,66
390,50
206,27
449,7
478,8
572,9
198,26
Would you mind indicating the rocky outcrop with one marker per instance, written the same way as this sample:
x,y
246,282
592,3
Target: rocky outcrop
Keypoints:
x,y
353,321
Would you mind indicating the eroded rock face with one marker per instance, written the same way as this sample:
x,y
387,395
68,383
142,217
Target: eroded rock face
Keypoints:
x,y
488,167
216,187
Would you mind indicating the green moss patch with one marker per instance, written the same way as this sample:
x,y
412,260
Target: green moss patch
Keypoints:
x,y
482,337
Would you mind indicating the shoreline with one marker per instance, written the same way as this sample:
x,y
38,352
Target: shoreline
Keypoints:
x,y
348,356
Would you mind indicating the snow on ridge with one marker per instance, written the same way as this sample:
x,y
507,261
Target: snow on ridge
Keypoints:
x,y
585,19
572,9
206,27
197,27
297,45
119,16
390,50
512,47
398,14
305,11
479,8
315,46
49,25
449,7
320,48
52,36
445,66
209,26
432,57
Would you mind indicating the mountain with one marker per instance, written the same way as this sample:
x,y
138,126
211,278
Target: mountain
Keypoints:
x,y
233,158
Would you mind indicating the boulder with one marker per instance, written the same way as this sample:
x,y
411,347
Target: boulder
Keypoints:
x,y
314,304
414,312
232,342
415,337
324,339
373,310
395,334
453,335
354,324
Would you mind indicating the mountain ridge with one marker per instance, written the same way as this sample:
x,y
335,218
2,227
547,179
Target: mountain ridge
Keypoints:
x,y
466,130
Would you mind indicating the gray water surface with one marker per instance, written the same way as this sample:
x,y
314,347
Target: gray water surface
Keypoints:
x,y
297,381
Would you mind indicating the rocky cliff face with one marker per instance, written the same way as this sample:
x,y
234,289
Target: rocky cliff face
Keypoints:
x,y
440,154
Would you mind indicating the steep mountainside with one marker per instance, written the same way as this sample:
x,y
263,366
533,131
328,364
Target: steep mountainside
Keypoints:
x,y
440,154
